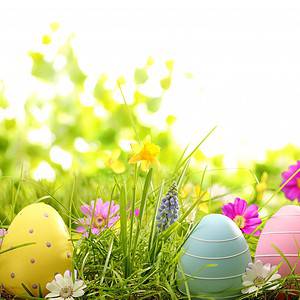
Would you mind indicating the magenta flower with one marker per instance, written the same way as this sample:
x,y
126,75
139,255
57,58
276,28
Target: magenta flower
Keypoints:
x,y
3,232
136,212
246,217
292,188
97,218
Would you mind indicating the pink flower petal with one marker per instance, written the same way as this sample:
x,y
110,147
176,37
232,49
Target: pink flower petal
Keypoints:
x,y
114,209
252,222
98,207
112,221
137,212
250,230
228,210
85,209
104,210
291,192
240,206
95,231
80,229
251,211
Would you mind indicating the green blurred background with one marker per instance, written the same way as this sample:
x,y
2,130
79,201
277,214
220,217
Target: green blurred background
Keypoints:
x,y
71,130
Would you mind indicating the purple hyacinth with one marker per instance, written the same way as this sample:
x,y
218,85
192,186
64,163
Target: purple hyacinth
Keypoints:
x,y
169,209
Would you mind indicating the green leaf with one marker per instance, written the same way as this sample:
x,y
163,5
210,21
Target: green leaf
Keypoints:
x,y
41,68
165,83
140,76
170,65
153,104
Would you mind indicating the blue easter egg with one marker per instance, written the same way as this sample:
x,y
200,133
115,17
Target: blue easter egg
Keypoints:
x,y
214,258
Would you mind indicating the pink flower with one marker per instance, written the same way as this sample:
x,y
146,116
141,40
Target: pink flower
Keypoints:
x,y
246,217
136,212
97,218
3,232
292,188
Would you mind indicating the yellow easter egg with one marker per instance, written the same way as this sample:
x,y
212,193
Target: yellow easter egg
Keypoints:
x,y
35,264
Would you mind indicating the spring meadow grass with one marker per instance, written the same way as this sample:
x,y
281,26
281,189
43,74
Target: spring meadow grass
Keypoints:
x,y
132,259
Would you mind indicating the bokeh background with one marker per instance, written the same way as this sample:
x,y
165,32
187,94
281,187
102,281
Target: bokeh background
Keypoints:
x,y
184,67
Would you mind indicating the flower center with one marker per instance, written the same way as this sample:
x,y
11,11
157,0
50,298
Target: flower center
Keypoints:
x,y
298,183
259,281
240,221
66,292
98,221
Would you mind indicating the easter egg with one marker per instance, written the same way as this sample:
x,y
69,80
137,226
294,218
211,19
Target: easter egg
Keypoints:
x,y
39,247
215,257
281,234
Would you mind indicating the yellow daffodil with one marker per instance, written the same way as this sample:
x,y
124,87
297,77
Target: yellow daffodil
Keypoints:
x,y
114,163
146,153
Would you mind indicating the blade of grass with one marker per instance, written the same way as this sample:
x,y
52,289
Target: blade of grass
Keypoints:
x,y
123,229
107,260
142,208
152,231
132,217
180,164
17,247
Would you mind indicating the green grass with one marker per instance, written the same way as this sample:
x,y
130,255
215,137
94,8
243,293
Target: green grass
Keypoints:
x,y
132,260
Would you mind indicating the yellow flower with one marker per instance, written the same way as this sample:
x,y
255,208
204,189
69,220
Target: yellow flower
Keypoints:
x,y
146,153
114,163
204,195
195,192
186,190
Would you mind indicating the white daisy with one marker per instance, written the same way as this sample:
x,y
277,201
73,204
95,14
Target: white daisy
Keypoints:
x,y
63,287
258,275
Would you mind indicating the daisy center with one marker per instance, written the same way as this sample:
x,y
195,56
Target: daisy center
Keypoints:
x,y
258,281
298,183
240,221
66,292
98,221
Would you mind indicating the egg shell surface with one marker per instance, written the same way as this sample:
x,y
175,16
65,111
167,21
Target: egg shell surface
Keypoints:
x,y
214,258
282,230
36,264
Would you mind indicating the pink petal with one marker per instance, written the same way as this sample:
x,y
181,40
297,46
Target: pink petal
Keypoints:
x,y
250,230
114,209
228,210
291,192
253,221
104,210
112,221
95,231
287,174
80,229
99,204
85,209
137,212
251,211
240,206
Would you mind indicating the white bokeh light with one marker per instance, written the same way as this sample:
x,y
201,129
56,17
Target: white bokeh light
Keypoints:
x,y
244,57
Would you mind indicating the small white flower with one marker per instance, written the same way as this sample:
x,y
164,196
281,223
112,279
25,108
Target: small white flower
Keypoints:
x,y
258,275
63,287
